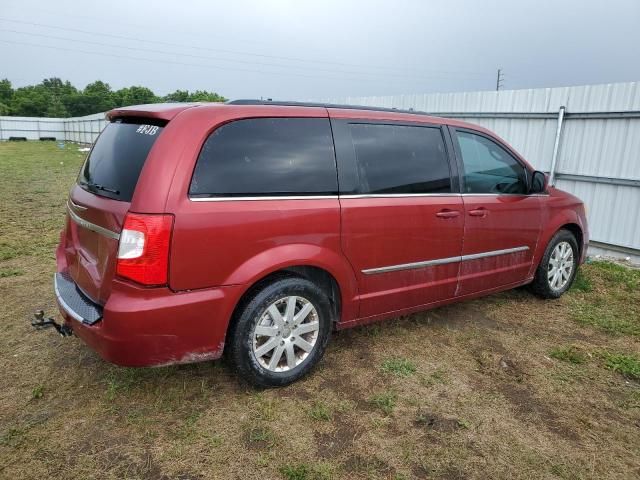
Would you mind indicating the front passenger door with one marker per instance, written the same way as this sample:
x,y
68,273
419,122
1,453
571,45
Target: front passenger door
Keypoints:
x,y
502,222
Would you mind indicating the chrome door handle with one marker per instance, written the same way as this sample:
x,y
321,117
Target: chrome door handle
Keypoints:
x,y
479,212
448,214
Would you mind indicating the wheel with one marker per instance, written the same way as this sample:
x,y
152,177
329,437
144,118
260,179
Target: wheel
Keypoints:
x,y
281,333
558,266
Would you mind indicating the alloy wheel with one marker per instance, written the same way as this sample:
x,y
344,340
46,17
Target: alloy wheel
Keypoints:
x,y
286,334
561,264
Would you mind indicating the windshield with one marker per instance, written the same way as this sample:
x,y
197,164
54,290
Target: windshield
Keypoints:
x,y
114,164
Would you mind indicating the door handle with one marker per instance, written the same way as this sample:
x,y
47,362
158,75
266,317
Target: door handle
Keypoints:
x,y
448,213
479,212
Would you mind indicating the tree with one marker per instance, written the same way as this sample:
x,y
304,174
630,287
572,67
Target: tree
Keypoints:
x,y
31,101
55,97
197,96
135,96
204,96
6,91
177,96
56,108
98,97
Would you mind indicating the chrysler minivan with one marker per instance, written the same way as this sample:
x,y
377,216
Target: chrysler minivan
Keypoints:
x,y
255,229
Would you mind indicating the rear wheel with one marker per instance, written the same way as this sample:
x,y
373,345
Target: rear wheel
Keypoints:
x,y
558,266
281,333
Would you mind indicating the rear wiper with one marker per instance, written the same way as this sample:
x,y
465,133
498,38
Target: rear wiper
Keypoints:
x,y
97,186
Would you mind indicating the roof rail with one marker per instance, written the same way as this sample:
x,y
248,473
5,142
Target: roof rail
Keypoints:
x,y
283,103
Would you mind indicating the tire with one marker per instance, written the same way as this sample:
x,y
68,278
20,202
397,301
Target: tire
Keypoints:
x,y
300,342
545,283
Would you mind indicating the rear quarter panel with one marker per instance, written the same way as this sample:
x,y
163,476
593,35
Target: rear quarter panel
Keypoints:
x,y
238,242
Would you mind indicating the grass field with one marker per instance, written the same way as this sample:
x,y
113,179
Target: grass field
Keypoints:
x,y
509,386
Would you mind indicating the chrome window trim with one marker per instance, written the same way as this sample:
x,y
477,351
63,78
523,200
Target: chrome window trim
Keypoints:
x,y
443,261
398,195
64,304
263,198
364,195
91,226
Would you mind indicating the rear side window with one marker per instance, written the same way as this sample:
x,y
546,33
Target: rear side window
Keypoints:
x,y
398,159
114,164
267,156
489,168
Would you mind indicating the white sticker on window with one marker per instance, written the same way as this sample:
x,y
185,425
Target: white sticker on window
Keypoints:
x,y
147,129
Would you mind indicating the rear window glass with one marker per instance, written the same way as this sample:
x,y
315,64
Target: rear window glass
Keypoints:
x,y
399,159
267,156
114,164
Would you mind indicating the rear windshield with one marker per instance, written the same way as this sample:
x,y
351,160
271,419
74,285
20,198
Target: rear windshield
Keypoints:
x,y
114,164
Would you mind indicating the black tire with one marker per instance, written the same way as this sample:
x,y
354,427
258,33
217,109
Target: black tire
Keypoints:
x,y
250,313
541,284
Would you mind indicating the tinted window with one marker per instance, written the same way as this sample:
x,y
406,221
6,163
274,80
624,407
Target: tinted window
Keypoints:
x,y
400,159
489,168
267,156
114,164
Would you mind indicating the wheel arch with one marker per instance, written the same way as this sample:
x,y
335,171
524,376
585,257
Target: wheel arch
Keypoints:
x,y
564,219
319,276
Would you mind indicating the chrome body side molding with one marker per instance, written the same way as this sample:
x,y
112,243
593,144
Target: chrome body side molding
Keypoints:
x,y
442,261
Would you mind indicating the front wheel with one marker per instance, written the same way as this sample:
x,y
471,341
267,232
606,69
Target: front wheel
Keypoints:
x,y
281,333
558,266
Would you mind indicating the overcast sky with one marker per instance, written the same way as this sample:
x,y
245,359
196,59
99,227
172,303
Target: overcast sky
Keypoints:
x,y
316,49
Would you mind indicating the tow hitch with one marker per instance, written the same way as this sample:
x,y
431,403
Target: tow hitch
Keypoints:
x,y
39,323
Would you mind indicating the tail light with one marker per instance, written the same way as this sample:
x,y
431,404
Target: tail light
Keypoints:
x,y
143,253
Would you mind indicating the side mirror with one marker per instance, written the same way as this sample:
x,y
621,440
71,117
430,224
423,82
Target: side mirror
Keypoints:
x,y
538,182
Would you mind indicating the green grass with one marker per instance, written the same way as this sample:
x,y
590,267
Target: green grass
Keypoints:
x,y
582,283
437,377
303,471
612,302
385,401
37,392
320,411
617,320
568,354
11,272
400,367
620,275
627,365
261,434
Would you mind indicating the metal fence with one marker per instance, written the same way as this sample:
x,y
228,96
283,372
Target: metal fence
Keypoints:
x,y
587,137
77,129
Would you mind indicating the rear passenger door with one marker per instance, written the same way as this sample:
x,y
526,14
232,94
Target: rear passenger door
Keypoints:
x,y
402,218
502,222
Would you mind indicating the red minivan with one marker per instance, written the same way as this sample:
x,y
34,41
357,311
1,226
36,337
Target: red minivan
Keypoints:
x,y
256,228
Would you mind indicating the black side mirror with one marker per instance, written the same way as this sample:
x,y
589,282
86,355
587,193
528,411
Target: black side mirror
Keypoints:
x,y
538,182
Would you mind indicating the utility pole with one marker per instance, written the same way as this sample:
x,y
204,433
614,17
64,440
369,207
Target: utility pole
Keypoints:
x,y
499,79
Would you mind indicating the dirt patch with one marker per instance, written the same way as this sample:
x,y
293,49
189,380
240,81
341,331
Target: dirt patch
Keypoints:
x,y
437,423
368,465
463,316
340,440
532,409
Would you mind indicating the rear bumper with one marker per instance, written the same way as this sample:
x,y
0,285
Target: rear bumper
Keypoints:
x,y
155,326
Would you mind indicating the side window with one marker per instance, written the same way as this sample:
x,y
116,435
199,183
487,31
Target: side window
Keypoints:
x,y
400,159
489,168
267,156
